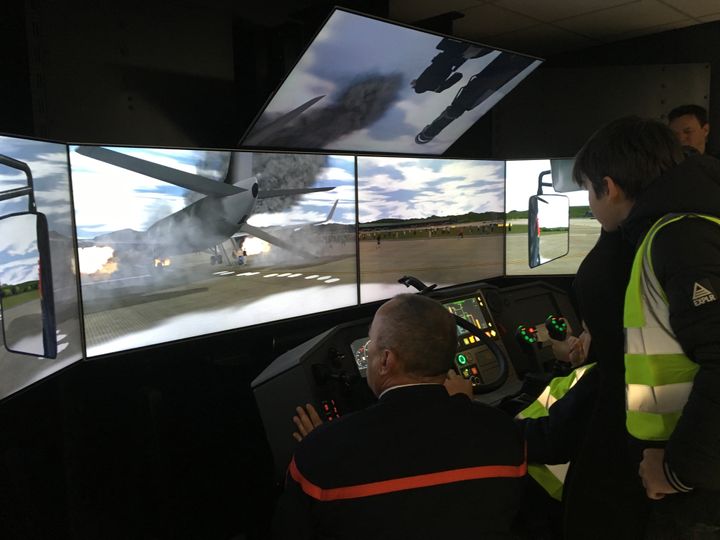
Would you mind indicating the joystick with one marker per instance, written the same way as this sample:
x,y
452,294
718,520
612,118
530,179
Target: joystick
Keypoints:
x,y
557,327
526,337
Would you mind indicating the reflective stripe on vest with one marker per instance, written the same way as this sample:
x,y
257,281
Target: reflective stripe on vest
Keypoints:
x,y
658,375
551,477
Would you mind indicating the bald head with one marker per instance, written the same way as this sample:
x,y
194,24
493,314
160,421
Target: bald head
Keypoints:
x,y
421,332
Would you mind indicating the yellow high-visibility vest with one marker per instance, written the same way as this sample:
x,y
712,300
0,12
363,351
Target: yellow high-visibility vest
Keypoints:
x,y
658,375
551,477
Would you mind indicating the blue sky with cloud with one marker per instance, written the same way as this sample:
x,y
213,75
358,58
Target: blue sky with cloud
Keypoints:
x,y
399,188
110,198
49,167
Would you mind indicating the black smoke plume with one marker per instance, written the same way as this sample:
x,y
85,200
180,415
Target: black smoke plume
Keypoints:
x,y
285,171
360,105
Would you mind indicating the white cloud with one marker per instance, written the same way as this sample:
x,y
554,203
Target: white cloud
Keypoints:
x,y
336,174
109,198
422,188
19,271
18,235
522,182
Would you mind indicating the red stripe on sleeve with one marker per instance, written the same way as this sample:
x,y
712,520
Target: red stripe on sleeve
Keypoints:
x,y
408,482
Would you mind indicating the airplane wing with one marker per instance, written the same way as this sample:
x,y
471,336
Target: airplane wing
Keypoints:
x,y
193,182
268,131
270,239
330,214
268,193
316,223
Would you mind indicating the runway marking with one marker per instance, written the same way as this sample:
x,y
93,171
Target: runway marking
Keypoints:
x,y
323,278
248,274
223,273
313,276
286,274
269,275
86,283
333,280
294,275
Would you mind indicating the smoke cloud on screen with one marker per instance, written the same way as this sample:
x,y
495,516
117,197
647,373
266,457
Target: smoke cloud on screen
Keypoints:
x,y
360,105
285,171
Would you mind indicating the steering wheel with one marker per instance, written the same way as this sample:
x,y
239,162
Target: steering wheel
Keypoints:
x,y
498,353
500,356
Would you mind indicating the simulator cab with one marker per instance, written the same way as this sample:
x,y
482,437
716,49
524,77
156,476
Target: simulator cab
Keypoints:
x,y
503,347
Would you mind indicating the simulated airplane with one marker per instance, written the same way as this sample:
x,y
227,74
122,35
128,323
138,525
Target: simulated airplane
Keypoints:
x,y
204,224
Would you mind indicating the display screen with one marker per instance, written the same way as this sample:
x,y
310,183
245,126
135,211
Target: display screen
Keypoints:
x,y
359,350
470,310
438,220
46,164
521,183
180,243
367,85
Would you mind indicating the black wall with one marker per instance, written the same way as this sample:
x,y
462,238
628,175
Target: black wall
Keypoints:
x,y
694,45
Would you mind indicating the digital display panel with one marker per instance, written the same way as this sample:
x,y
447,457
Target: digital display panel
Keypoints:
x,y
470,310
521,184
438,220
367,85
359,350
180,243
44,167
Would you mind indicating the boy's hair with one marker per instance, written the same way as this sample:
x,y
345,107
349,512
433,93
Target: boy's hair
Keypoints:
x,y
632,151
695,110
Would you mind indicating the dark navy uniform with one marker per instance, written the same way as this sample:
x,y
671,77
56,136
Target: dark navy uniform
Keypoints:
x,y
418,464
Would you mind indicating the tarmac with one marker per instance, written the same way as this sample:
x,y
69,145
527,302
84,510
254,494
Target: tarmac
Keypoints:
x,y
215,298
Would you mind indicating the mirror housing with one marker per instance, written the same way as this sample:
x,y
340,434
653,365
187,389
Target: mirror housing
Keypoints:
x,y
548,228
26,289
562,180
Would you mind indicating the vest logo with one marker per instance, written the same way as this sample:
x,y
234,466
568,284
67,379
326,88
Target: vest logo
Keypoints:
x,y
702,295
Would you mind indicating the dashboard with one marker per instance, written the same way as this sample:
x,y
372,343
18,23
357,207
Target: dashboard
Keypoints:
x,y
473,360
329,370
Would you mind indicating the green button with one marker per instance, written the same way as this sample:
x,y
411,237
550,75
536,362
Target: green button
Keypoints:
x,y
462,360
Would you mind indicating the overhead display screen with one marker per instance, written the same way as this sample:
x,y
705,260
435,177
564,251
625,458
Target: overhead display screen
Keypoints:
x,y
180,243
439,220
43,168
367,85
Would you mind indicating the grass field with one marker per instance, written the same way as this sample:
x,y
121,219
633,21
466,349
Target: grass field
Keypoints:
x,y
18,299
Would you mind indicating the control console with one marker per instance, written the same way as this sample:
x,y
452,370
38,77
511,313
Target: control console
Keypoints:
x,y
474,360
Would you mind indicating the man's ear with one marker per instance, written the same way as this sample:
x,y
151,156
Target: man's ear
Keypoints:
x,y
614,192
389,362
706,128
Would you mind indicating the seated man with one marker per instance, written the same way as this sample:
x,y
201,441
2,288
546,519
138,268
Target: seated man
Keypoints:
x,y
419,463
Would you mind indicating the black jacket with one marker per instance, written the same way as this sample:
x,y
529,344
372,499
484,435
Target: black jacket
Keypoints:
x,y
602,496
409,466
684,254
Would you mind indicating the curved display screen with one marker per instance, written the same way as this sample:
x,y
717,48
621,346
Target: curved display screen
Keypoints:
x,y
439,220
38,170
181,243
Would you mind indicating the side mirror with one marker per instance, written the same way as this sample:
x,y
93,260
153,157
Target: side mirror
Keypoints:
x,y
26,289
548,228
